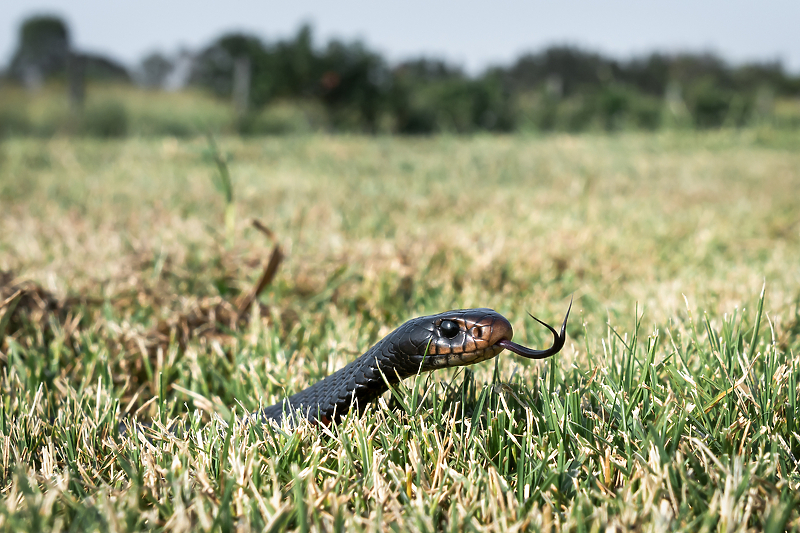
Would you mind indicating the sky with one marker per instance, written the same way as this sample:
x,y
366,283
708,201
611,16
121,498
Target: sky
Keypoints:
x,y
468,33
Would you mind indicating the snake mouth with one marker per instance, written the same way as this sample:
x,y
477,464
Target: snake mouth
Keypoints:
x,y
559,338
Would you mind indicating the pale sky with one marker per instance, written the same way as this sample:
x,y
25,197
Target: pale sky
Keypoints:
x,y
469,33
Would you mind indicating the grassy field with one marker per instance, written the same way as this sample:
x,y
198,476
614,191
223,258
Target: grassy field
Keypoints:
x,y
673,405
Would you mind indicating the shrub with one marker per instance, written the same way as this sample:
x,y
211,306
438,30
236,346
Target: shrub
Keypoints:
x,y
14,121
708,105
107,119
613,104
647,112
283,118
576,114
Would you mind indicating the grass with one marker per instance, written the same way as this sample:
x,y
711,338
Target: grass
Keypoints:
x,y
119,110
672,407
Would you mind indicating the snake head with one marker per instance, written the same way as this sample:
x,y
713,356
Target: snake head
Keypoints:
x,y
454,338
464,337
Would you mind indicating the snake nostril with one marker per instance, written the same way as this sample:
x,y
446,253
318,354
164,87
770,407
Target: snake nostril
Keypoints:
x,y
477,332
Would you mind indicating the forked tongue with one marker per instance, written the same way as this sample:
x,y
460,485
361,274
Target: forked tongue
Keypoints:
x,y
558,340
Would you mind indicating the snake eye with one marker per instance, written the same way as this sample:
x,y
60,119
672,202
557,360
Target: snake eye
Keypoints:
x,y
449,328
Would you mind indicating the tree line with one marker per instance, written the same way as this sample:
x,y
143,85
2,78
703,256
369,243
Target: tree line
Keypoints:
x,y
559,88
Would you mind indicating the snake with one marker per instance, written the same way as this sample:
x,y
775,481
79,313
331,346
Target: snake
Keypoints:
x,y
459,337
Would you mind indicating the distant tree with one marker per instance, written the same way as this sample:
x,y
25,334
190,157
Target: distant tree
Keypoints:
x,y
709,103
429,95
354,81
213,67
154,70
297,66
561,87
102,68
569,67
43,49
413,95
427,70
288,69
755,76
44,52
650,74
690,69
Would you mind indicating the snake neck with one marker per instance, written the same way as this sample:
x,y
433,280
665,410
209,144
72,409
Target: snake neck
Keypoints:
x,y
355,385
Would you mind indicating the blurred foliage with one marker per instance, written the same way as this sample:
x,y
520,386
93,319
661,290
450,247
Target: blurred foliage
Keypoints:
x,y
44,53
14,121
43,49
105,119
154,70
430,96
297,86
213,68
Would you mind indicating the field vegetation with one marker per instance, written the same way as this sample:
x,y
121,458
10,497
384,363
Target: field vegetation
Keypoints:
x,y
673,405
118,110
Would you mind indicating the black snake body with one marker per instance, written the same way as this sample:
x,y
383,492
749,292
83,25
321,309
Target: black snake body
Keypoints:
x,y
454,338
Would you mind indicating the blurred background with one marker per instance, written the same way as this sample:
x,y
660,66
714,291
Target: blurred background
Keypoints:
x,y
182,68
